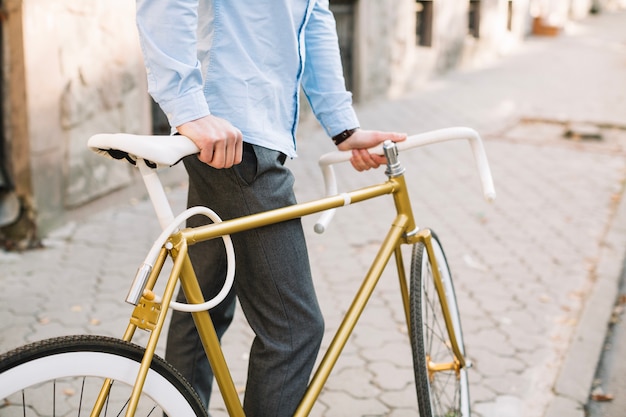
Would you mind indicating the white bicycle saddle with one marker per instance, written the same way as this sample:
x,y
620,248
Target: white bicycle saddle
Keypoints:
x,y
157,151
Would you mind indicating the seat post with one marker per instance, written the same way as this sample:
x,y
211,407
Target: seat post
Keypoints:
x,y
157,195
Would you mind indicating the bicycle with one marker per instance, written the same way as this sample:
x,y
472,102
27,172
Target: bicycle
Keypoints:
x,y
114,375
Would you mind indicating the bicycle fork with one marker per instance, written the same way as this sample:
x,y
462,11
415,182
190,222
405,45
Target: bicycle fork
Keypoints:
x,y
402,231
403,206
458,361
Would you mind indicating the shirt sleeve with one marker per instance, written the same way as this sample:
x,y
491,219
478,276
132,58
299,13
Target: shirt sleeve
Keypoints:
x,y
167,33
323,81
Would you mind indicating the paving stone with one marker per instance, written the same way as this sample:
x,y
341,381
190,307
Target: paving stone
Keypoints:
x,y
479,391
392,377
343,405
401,401
401,412
396,353
504,406
507,383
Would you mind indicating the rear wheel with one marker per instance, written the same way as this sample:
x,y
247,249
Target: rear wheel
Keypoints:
x,y
441,393
63,376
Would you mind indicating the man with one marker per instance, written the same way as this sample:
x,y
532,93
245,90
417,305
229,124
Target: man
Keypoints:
x,y
227,73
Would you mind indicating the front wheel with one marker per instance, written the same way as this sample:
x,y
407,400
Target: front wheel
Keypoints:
x,y
440,392
63,377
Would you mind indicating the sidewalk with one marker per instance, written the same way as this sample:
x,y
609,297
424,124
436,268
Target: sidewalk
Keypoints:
x,y
536,272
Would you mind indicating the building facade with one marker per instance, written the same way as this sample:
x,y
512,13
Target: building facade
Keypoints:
x,y
72,68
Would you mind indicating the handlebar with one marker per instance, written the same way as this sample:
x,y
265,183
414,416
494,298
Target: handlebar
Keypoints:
x,y
327,161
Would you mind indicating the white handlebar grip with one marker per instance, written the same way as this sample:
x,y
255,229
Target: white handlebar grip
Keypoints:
x,y
454,133
482,165
324,220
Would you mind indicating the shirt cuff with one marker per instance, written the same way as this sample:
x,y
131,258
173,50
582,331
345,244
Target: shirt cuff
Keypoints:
x,y
184,109
336,122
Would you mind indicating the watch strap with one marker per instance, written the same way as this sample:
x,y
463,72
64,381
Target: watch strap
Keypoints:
x,y
343,136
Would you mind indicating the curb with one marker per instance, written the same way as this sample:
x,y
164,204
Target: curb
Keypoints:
x,y
578,369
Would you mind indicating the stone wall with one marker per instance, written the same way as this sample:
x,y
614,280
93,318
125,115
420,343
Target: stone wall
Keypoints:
x,y
84,75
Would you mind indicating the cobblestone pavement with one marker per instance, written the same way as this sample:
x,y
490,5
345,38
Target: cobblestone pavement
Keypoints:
x,y
535,272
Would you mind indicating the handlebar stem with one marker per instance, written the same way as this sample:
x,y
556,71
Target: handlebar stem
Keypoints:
x,y
394,168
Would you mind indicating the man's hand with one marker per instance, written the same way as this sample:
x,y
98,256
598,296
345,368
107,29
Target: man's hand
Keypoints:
x,y
361,140
220,143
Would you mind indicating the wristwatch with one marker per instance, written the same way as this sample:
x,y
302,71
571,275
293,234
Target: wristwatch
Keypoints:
x,y
343,136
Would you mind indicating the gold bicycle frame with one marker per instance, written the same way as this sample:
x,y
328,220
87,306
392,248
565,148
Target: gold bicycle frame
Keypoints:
x,y
149,315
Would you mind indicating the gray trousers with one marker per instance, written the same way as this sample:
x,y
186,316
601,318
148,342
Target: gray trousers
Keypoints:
x,y
272,282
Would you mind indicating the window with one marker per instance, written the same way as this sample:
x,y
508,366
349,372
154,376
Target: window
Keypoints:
x,y
344,12
509,16
474,18
424,22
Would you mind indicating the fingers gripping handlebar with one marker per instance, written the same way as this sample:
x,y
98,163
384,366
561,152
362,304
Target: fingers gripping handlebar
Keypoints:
x,y
442,135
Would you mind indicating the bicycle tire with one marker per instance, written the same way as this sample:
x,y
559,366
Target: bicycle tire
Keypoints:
x,y
444,393
62,377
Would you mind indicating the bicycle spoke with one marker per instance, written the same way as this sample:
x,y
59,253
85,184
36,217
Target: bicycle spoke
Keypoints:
x,y
433,322
80,402
443,394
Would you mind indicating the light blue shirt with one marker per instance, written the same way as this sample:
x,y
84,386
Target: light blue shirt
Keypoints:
x,y
245,61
